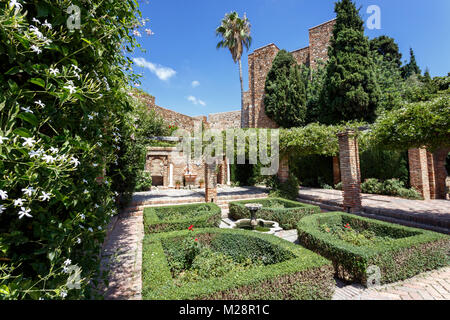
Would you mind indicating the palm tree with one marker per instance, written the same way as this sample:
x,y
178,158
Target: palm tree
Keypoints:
x,y
235,33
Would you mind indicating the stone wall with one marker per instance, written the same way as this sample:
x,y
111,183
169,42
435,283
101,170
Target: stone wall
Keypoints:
x,y
225,120
260,62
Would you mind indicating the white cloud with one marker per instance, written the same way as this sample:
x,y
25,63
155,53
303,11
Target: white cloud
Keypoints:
x,y
195,84
196,101
163,73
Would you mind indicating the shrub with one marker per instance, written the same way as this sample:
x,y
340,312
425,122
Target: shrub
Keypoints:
x,y
391,187
144,181
287,190
302,275
162,219
63,106
403,253
287,213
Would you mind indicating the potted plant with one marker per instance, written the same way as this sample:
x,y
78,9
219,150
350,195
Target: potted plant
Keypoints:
x,y
202,183
177,185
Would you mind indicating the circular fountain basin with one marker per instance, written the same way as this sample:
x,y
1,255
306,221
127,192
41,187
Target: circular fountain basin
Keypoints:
x,y
262,226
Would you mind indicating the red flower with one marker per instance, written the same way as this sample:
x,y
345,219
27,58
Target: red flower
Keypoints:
x,y
196,239
191,227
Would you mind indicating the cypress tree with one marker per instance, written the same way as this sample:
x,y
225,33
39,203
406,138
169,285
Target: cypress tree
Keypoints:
x,y
350,91
285,93
411,68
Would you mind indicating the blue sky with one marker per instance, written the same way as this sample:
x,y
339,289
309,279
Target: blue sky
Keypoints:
x,y
186,73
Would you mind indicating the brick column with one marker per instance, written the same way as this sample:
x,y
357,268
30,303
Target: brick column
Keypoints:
x,y
350,171
210,182
440,173
223,172
336,171
283,170
431,175
418,172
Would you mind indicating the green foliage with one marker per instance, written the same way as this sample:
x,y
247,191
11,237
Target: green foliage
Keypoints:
x,y
414,125
314,84
287,213
64,91
144,181
400,252
411,68
313,171
285,95
388,49
391,187
163,219
311,276
287,190
350,91
384,164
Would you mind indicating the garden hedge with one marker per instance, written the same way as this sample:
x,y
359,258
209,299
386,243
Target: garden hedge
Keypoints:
x,y
303,275
411,251
287,217
160,219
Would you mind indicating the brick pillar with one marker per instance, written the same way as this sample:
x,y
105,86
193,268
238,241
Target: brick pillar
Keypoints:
x,y
210,182
440,173
418,171
283,170
431,175
336,171
222,178
350,171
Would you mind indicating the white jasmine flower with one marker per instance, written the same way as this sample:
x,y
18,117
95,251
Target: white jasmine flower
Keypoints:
x,y
54,71
82,216
36,21
48,159
26,109
46,24
149,32
90,117
3,139
78,240
81,226
45,196
33,154
95,165
74,161
3,195
2,209
67,262
63,294
36,49
99,228
90,229
71,88
14,3
85,191
28,191
28,142
137,33
39,103
65,270
54,150
76,67
85,181
24,213
96,206
18,202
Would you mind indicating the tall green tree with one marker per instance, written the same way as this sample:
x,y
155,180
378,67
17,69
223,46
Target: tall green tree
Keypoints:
x,y
235,34
386,47
411,68
285,95
350,91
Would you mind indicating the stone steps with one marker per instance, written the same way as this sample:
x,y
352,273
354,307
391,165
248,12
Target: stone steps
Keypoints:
x,y
392,216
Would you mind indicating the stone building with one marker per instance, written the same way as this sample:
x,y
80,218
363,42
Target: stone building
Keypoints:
x,y
260,62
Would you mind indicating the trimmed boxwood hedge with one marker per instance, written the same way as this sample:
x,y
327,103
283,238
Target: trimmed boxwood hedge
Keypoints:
x,y
287,217
302,274
171,218
411,251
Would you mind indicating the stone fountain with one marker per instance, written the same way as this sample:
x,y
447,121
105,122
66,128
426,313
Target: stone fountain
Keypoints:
x,y
255,224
